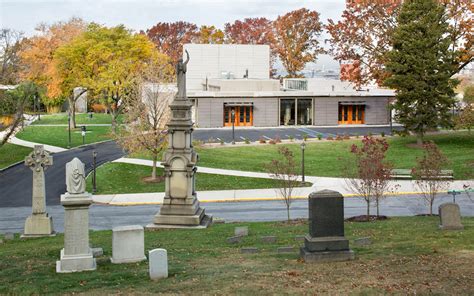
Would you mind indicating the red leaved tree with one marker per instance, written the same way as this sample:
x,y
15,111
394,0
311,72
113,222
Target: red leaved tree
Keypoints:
x,y
363,35
170,37
369,174
296,39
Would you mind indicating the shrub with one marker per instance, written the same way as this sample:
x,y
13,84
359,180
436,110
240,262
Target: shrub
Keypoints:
x,y
330,138
262,140
305,137
382,134
221,141
338,137
291,138
347,137
99,108
247,141
272,142
320,136
277,139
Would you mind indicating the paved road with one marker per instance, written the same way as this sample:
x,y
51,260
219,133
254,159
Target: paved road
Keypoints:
x,y
254,134
16,182
107,217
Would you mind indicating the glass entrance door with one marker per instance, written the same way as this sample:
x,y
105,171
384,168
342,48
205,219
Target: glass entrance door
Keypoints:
x,y
351,114
243,115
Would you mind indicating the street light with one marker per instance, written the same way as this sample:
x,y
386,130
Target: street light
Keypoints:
x,y
232,117
94,163
303,146
83,133
69,129
39,105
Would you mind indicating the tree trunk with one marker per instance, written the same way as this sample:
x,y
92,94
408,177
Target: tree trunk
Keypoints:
x,y
114,122
431,206
72,109
288,212
377,203
419,139
368,211
153,170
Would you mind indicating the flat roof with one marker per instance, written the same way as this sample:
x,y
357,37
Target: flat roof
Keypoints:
x,y
266,94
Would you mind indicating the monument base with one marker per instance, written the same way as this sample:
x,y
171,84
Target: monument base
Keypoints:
x,y
75,263
38,225
326,256
200,220
451,227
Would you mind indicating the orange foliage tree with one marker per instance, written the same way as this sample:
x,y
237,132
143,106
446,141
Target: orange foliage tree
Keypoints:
x,y
296,40
363,35
37,57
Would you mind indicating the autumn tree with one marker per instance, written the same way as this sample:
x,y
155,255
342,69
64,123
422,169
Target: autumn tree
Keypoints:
x,y
369,175
428,173
363,36
420,67
210,35
10,41
465,119
468,95
105,61
296,39
37,57
285,173
170,37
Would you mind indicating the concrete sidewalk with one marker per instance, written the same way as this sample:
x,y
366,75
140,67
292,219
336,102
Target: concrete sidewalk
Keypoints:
x,y
20,142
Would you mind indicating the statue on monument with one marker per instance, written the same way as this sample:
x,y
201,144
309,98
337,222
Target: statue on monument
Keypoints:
x,y
181,69
75,177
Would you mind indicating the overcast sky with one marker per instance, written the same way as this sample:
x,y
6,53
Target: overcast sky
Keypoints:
x,y
25,15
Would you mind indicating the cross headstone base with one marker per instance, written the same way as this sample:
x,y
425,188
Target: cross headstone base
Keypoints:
x,y
75,263
38,225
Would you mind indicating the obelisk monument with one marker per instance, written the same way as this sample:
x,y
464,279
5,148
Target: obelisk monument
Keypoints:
x,y
180,208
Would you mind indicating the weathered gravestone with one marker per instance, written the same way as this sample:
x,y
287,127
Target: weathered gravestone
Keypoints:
x,y
241,231
38,223
325,241
450,217
128,244
76,255
158,264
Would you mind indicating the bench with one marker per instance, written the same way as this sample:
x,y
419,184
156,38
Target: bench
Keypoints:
x,y
405,174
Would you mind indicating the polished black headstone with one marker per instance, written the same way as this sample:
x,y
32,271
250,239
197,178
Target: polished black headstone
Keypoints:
x,y
326,214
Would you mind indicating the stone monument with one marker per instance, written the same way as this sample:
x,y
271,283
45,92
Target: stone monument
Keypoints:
x,y
450,217
128,244
180,208
38,223
77,254
326,241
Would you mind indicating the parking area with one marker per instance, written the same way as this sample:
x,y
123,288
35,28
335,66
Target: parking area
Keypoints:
x,y
296,133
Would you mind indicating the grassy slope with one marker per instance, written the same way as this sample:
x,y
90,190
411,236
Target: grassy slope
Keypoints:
x,y
408,256
327,158
10,153
58,135
127,178
82,118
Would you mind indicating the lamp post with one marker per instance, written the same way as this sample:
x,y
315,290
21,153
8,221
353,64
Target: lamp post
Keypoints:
x,y
303,146
94,164
232,117
39,105
83,133
69,129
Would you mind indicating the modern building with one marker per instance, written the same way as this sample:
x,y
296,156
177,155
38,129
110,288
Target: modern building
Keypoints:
x,y
231,83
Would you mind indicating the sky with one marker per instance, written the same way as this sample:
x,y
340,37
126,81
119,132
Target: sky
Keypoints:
x,y
25,15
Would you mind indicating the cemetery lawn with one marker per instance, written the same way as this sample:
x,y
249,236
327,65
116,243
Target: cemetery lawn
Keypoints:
x,y
114,178
81,118
409,255
58,135
10,154
328,158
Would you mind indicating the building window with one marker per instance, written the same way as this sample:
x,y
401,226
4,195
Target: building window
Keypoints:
x,y
287,112
305,110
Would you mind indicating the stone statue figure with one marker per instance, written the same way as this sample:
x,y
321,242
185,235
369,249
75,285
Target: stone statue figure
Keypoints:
x,y
75,177
181,76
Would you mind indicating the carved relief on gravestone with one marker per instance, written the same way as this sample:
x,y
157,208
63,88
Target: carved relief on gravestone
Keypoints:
x,y
75,177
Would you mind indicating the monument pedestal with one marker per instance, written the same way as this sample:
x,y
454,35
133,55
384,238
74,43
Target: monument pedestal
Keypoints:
x,y
76,255
38,225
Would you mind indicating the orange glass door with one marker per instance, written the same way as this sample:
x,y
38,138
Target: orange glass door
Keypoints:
x,y
243,115
351,114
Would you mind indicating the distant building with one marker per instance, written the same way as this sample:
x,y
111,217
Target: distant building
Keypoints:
x,y
234,79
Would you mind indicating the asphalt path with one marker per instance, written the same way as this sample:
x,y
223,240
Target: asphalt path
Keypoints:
x,y
297,133
103,217
16,182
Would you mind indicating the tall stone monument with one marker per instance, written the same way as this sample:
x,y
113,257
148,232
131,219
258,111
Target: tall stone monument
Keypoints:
x,y
326,241
76,255
180,207
38,223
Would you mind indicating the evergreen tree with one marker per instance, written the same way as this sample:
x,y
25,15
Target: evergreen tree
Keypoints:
x,y
420,67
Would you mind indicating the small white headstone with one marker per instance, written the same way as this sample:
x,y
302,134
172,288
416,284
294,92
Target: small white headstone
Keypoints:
x,y
128,244
158,264
241,231
450,217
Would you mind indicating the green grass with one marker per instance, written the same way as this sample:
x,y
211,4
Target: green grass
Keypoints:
x,y
10,154
113,178
81,118
328,158
58,135
408,256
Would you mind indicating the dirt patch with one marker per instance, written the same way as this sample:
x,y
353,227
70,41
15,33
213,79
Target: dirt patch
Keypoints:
x,y
415,145
294,222
150,180
363,218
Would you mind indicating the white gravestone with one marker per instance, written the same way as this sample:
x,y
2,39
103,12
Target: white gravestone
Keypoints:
x,y
76,255
128,244
38,223
450,217
158,264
